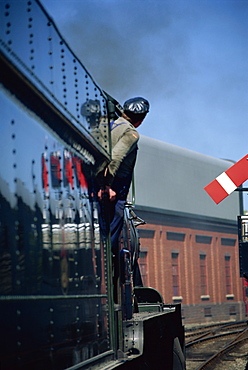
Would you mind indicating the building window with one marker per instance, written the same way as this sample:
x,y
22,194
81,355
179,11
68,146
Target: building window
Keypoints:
x,y
175,274
143,267
232,311
228,241
207,312
175,236
228,275
204,239
203,275
146,233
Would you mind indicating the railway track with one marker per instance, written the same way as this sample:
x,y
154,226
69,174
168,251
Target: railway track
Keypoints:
x,y
219,347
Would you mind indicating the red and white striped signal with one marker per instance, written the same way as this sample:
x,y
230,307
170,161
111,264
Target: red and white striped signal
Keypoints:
x,y
228,181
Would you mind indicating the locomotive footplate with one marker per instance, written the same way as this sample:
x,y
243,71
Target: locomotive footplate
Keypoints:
x,y
154,340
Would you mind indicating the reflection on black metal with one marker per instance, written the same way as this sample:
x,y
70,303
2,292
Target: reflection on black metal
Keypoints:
x,y
50,247
31,41
55,168
54,299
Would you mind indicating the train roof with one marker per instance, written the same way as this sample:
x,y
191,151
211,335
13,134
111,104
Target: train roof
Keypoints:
x,y
172,179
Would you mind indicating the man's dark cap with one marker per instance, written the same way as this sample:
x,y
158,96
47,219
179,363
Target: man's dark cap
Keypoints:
x,y
136,106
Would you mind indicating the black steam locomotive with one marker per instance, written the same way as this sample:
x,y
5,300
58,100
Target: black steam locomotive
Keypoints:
x,y
56,274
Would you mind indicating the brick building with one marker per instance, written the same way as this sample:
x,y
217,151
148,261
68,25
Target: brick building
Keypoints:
x,y
189,245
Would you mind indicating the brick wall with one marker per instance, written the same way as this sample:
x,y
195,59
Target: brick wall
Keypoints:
x,y
194,262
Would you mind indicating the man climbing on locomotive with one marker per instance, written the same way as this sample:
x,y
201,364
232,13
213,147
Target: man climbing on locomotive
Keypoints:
x,y
116,177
